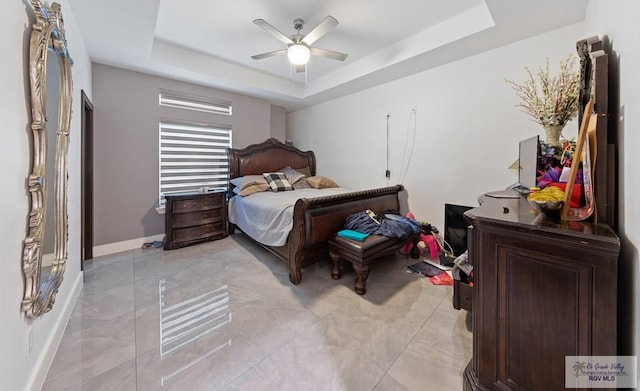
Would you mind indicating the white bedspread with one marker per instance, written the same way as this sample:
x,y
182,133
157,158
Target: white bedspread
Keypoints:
x,y
267,216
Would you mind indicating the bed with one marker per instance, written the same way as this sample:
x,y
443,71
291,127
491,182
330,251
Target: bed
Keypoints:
x,y
314,219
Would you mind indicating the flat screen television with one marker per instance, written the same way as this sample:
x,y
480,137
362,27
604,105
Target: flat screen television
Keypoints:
x,y
455,231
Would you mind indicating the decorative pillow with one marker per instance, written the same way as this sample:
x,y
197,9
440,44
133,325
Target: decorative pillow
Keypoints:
x,y
321,182
277,181
292,175
249,184
253,188
301,184
305,170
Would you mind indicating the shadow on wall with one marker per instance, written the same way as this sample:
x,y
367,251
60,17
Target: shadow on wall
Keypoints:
x,y
627,263
152,222
403,198
627,291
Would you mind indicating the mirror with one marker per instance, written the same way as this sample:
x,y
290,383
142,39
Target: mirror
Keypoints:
x,y
583,47
594,66
51,86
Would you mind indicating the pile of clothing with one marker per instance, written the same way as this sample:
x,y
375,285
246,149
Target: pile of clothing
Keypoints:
x,y
390,224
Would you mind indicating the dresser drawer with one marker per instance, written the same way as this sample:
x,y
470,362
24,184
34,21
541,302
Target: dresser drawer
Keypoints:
x,y
462,295
182,220
197,204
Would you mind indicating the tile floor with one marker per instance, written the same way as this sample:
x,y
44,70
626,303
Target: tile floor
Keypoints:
x,y
223,316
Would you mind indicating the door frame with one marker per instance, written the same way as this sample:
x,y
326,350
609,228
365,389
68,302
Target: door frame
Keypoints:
x,y
86,203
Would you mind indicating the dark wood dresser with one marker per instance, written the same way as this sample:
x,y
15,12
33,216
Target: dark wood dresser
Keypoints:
x,y
543,289
194,218
547,288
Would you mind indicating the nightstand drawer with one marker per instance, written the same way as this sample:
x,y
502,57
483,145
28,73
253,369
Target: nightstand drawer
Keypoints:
x,y
198,204
182,220
198,233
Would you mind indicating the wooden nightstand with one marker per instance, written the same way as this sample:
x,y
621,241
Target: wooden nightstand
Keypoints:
x,y
194,218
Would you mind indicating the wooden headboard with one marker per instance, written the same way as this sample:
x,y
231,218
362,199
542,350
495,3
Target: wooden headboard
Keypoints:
x,y
269,156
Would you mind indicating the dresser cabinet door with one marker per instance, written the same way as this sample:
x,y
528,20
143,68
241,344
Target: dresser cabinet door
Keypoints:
x,y
540,298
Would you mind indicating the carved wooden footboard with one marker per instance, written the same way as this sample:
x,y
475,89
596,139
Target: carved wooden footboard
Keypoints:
x,y
314,219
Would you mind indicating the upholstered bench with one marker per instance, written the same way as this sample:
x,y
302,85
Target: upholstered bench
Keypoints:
x,y
361,254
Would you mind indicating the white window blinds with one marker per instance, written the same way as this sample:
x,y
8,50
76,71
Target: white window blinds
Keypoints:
x,y
194,102
192,157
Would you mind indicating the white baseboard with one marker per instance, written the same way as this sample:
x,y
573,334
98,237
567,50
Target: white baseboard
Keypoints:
x,y
132,244
44,362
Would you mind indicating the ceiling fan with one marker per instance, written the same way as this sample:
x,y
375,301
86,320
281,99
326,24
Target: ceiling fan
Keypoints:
x,y
299,48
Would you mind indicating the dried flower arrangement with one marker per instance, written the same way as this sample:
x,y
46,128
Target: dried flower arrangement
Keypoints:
x,y
550,101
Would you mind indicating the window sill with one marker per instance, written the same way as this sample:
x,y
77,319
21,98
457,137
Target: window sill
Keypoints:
x,y
160,210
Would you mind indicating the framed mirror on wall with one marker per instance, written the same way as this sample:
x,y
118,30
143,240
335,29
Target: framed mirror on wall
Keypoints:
x,y
45,247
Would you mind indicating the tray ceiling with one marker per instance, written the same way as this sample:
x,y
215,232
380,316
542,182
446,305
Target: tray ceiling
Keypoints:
x,y
211,43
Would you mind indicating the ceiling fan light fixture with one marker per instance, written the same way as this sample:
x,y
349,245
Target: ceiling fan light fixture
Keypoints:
x,y
298,54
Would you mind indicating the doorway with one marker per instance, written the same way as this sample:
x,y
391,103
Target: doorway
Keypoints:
x,y
86,230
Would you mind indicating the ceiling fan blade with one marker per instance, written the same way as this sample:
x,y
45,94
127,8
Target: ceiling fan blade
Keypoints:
x,y
300,68
321,29
269,54
329,54
274,31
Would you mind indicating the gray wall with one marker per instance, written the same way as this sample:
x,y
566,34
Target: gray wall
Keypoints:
x,y
278,122
126,116
453,130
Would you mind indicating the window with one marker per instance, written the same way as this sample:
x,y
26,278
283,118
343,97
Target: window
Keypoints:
x,y
194,102
192,157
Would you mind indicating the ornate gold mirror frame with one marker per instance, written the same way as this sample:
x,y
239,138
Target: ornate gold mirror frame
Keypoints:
x,y
47,38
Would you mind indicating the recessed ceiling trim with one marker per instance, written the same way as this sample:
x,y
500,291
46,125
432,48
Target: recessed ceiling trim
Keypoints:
x,y
214,47
219,71
458,27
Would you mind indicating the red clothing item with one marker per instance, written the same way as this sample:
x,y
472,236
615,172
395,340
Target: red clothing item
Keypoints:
x,y
576,194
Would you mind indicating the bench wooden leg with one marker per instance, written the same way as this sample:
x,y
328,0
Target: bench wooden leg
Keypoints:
x,y
362,272
335,270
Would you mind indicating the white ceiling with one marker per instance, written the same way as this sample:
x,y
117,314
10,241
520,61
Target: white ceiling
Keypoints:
x,y
211,42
